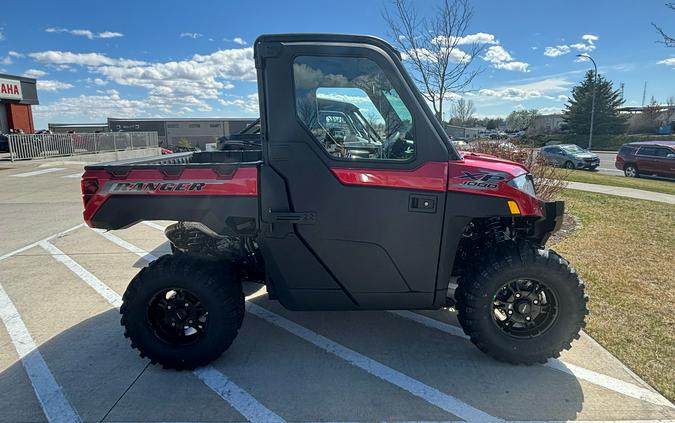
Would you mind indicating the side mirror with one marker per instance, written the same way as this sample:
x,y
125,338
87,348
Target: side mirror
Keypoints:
x,y
670,156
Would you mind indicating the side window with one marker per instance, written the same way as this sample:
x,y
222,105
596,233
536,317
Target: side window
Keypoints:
x,y
351,108
662,152
646,151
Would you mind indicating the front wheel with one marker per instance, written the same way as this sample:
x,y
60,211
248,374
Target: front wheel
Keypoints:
x,y
523,305
183,312
569,165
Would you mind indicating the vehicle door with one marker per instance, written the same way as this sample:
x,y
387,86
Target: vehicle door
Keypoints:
x,y
664,161
368,226
556,156
647,160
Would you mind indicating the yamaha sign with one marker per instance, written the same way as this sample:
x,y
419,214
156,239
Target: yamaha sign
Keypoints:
x,y
10,89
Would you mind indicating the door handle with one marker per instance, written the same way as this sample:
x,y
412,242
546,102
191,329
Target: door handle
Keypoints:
x,y
422,203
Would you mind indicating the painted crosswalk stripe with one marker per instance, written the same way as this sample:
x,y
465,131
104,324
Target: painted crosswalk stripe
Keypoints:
x,y
35,244
39,172
55,405
74,175
236,396
581,373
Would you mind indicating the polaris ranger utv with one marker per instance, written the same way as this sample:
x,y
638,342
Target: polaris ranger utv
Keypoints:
x,y
327,230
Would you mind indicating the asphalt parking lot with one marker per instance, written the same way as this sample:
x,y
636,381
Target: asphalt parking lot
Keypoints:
x,y
607,160
63,356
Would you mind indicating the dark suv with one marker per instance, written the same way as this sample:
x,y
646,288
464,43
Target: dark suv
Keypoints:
x,y
647,158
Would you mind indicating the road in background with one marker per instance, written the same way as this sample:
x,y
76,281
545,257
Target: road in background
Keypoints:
x,y
607,160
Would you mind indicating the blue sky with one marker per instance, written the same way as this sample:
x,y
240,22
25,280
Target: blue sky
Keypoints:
x,y
97,59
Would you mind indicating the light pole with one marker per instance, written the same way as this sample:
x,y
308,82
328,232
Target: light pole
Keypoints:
x,y
595,84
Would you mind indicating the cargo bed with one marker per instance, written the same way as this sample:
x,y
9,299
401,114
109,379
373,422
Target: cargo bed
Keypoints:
x,y
219,189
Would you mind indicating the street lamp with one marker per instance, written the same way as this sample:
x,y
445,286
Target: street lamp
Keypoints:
x,y
595,84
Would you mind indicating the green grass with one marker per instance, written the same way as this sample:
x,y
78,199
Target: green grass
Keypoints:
x,y
654,185
624,253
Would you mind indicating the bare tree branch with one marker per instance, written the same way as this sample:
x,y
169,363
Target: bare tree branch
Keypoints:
x,y
435,48
667,39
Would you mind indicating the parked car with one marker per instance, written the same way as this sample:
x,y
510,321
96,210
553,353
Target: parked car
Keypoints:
x,y
569,156
647,158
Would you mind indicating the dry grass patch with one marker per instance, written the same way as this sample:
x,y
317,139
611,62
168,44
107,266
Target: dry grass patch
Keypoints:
x,y
624,253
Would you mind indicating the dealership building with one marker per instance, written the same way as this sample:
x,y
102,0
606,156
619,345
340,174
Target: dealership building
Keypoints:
x,y
17,95
171,132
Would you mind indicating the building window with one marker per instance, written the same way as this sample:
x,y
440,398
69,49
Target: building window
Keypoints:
x,y
215,125
194,125
172,125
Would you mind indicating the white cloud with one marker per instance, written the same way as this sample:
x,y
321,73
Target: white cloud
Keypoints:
x,y
99,81
513,66
497,54
34,73
2,34
109,34
87,33
239,40
456,55
563,97
586,47
501,59
248,103
193,35
520,92
13,53
6,60
55,57
667,62
477,38
549,110
590,38
52,85
556,51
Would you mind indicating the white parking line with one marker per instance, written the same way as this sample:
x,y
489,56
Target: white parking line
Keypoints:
x,y
427,393
126,245
74,175
39,172
54,403
595,378
236,396
36,243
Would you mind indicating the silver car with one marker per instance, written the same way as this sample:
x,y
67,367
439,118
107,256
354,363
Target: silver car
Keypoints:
x,y
570,156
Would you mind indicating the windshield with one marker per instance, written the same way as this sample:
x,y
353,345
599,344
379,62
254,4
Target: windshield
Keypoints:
x,y
572,148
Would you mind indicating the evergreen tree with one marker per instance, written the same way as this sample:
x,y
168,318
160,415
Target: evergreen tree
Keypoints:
x,y
577,113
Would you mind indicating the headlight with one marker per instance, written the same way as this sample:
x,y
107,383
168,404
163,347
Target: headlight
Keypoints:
x,y
524,183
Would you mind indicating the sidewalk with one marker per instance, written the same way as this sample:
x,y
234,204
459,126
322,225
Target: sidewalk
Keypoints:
x,y
623,192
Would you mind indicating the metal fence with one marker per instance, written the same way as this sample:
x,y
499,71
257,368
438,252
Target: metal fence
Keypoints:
x,y
34,146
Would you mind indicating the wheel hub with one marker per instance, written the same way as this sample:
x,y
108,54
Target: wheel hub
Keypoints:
x,y
177,316
524,308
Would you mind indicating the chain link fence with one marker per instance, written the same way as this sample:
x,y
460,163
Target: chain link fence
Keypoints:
x,y
35,146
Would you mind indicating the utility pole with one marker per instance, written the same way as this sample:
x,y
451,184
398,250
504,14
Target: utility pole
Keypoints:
x,y
595,85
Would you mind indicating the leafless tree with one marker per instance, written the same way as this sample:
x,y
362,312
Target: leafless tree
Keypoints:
x,y
437,47
461,111
668,40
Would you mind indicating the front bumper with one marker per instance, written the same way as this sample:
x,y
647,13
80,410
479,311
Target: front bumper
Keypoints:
x,y
548,224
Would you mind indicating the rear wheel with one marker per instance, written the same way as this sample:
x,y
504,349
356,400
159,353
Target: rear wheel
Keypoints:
x,y
631,171
522,305
182,312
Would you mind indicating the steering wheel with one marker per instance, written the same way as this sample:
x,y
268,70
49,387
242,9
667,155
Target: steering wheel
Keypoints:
x,y
394,146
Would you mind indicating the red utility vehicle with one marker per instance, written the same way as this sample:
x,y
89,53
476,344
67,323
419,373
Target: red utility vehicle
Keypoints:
x,y
325,228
